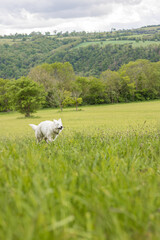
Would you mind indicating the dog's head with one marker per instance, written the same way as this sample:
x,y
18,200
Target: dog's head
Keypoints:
x,y
58,125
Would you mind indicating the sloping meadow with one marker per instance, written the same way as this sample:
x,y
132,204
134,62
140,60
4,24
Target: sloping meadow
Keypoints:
x,y
99,180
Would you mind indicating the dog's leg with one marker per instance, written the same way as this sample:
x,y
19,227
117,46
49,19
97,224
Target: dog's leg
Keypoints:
x,y
55,137
39,140
48,139
38,136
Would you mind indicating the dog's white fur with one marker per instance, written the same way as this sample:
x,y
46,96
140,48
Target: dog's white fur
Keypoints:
x,y
47,130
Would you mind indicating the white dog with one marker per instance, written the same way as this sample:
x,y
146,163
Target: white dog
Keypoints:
x,y
47,130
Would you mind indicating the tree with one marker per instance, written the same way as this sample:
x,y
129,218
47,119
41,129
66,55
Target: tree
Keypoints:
x,y
4,97
76,92
63,97
77,102
96,93
26,96
127,88
111,80
144,79
63,74
56,78
41,75
83,86
136,71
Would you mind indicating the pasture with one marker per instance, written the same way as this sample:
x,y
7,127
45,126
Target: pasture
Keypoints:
x,y
9,41
113,42
99,180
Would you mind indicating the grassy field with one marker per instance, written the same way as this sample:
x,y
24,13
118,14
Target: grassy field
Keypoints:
x,y
133,43
9,41
99,180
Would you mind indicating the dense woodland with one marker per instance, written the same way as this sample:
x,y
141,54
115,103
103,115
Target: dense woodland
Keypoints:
x,y
65,69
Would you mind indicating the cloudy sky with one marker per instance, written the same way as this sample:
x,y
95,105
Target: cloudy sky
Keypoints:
x,y
25,16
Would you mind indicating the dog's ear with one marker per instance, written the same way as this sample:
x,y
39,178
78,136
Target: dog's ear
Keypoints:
x,y
60,121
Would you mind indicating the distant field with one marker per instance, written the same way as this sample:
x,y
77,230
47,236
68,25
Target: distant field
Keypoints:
x,y
99,180
151,28
107,117
133,43
9,41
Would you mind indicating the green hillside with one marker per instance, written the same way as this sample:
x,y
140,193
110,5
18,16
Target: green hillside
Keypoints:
x,y
99,50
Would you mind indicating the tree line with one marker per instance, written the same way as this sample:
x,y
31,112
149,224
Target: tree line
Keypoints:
x,y
150,31
56,85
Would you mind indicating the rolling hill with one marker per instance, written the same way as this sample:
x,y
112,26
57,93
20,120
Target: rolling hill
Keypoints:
x,y
89,53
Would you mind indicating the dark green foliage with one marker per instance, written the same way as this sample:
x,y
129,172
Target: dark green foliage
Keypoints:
x,y
140,80
21,52
4,97
92,60
57,79
26,96
17,59
96,92
135,81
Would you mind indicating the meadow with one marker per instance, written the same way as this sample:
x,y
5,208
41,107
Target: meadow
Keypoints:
x,y
99,180
113,42
9,41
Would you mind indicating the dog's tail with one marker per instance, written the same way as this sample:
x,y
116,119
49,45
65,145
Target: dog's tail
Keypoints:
x,y
34,127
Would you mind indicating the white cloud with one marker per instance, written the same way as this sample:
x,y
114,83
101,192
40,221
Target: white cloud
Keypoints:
x,y
68,15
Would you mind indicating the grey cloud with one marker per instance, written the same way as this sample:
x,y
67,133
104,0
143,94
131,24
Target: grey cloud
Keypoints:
x,y
64,8
129,2
89,15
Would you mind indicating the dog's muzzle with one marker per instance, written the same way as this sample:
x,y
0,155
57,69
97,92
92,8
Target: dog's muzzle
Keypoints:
x,y
60,128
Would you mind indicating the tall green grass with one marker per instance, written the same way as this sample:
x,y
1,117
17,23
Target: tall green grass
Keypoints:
x,y
95,181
